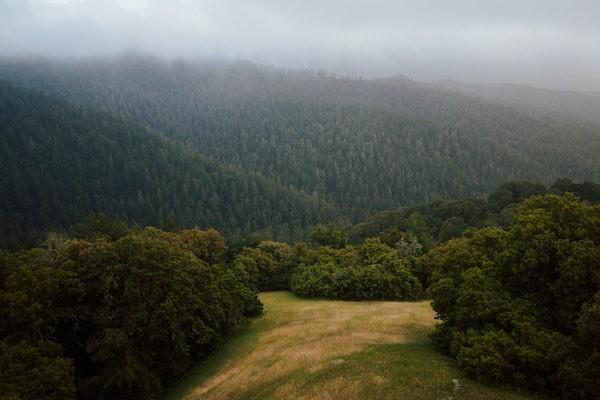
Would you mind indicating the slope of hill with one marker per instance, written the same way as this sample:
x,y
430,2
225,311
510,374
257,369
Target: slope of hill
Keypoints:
x,y
578,104
59,162
442,220
360,145
309,349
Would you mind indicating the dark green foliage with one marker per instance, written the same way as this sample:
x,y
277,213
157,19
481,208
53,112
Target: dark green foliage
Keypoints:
x,y
513,192
587,190
60,162
235,245
440,221
443,220
207,245
268,265
329,235
451,228
130,315
373,271
35,373
8,264
100,225
580,372
522,305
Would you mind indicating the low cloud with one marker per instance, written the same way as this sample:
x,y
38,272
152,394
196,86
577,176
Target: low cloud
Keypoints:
x,y
544,43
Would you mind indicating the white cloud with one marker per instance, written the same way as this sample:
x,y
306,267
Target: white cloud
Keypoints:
x,y
547,43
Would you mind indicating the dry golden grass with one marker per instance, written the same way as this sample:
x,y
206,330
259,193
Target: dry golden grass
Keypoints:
x,y
333,350
308,334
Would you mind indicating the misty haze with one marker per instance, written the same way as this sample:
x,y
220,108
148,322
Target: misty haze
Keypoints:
x,y
547,44
263,199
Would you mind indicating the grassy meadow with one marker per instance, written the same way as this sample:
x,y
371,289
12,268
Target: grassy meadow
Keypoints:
x,y
321,349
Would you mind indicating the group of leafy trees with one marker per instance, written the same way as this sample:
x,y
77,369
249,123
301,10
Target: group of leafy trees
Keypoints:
x,y
328,267
95,318
515,279
439,221
371,271
268,265
521,305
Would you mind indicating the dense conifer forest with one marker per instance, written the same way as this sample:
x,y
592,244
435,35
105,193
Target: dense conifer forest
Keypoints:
x,y
360,145
60,162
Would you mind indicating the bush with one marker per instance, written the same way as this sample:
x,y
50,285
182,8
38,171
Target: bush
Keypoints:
x,y
35,373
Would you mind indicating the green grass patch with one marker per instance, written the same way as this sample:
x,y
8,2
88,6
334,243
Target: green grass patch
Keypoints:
x,y
401,371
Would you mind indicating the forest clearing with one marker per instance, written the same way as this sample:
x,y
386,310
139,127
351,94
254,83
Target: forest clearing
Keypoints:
x,y
321,349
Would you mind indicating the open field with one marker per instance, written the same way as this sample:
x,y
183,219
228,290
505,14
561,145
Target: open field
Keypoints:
x,y
318,349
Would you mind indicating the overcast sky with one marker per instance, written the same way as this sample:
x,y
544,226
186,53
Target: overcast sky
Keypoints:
x,y
547,43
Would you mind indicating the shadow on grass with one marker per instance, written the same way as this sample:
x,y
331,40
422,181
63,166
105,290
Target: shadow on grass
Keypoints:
x,y
238,345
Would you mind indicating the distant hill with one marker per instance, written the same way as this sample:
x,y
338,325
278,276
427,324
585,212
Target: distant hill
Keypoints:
x,y
359,145
60,162
578,104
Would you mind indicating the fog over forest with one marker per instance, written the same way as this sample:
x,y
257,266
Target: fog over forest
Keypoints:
x,y
551,44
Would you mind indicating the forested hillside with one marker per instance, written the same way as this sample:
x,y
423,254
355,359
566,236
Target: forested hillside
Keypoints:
x,y
442,220
60,162
363,146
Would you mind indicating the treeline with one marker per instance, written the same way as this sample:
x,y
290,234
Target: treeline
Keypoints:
x,y
440,221
60,162
371,271
97,318
362,146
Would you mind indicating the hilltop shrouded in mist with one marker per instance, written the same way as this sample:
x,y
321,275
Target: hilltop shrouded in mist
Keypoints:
x,y
546,44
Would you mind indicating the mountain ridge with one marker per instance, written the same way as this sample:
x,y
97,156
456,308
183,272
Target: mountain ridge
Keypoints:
x,y
360,145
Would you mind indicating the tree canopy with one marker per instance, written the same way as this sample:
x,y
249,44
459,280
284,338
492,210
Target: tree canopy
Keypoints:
x,y
520,305
117,319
